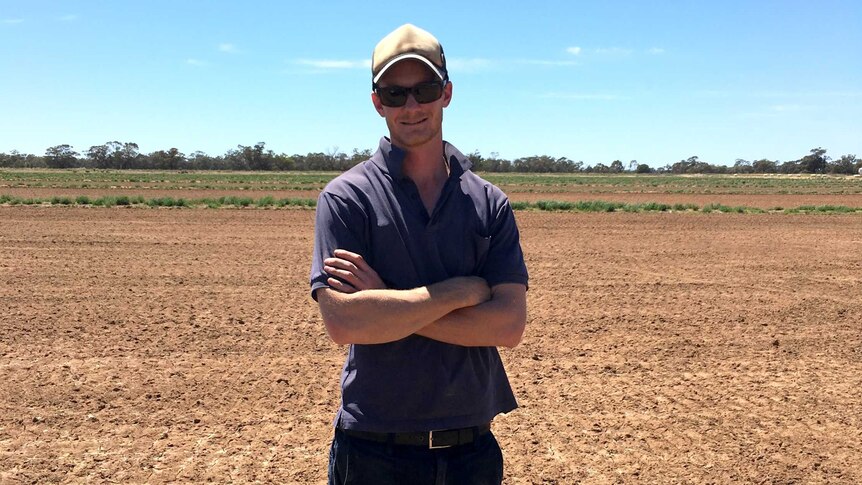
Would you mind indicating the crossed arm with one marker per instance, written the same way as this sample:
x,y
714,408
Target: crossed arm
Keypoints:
x,y
358,308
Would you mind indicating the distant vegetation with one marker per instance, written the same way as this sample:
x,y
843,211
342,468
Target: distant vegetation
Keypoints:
x,y
120,156
550,184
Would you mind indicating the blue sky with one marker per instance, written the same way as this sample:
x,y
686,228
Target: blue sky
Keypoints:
x,y
596,81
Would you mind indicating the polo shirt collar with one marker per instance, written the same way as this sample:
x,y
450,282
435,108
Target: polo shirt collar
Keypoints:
x,y
390,159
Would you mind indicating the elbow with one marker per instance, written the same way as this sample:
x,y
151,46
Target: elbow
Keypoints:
x,y
514,332
513,340
336,320
338,329
344,324
336,334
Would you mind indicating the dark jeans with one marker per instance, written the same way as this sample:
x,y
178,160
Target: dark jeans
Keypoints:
x,y
357,461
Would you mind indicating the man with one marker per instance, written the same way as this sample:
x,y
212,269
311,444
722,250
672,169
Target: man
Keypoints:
x,y
417,266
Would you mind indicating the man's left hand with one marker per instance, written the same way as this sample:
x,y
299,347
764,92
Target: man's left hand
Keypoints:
x,y
349,273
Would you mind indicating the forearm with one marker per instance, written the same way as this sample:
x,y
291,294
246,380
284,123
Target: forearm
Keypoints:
x,y
385,315
498,322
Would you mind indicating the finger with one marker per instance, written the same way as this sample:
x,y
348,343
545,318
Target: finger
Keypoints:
x,y
340,286
342,274
354,258
343,253
341,263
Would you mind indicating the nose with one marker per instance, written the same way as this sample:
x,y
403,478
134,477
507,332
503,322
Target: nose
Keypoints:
x,y
411,101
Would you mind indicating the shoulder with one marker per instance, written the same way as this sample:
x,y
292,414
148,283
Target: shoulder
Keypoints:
x,y
484,193
353,182
471,183
474,182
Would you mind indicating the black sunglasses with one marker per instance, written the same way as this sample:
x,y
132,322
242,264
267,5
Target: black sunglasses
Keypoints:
x,y
396,96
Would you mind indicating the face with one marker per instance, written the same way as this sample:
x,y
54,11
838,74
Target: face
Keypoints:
x,y
413,125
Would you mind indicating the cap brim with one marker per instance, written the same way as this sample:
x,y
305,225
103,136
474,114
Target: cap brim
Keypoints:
x,y
409,55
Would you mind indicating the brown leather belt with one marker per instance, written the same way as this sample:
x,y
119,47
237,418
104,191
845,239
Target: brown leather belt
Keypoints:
x,y
444,438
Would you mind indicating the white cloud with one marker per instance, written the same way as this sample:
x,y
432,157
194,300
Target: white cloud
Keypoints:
x,y
656,51
574,50
807,94
585,96
334,64
196,62
228,48
613,51
12,21
68,18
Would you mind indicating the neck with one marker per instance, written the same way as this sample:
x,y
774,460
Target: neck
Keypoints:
x,y
425,164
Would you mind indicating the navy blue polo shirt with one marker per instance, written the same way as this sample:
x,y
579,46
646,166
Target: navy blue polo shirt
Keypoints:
x,y
416,383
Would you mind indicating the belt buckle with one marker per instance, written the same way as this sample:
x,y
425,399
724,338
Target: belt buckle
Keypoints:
x,y
431,441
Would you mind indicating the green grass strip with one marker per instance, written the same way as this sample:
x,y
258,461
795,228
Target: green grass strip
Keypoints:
x,y
268,202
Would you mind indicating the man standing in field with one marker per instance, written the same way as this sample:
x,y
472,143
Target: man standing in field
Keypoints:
x,y
417,265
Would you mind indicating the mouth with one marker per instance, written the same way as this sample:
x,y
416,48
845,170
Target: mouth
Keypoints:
x,y
414,123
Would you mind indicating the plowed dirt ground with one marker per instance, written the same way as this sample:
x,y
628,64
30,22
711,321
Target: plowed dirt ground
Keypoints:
x,y
159,345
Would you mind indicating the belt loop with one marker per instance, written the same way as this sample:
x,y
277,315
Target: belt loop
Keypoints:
x,y
466,435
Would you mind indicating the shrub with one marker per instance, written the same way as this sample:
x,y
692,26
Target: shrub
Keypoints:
x,y
236,201
267,201
553,205
597,206
832,208
656,207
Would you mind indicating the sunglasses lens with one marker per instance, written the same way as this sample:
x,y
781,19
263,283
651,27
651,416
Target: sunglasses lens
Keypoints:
x,y
428,92
396,96
393,96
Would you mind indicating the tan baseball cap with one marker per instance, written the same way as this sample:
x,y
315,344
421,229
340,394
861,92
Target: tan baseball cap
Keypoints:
x,y
408,42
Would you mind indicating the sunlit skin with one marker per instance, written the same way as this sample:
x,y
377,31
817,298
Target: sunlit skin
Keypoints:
x,y
414,127
417,129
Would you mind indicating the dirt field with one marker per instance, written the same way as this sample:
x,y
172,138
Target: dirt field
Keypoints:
x,y
159,345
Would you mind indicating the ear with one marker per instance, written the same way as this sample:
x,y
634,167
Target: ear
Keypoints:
x,y
447,94
375,99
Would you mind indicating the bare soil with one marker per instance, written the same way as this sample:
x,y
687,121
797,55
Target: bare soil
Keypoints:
x,y
161,345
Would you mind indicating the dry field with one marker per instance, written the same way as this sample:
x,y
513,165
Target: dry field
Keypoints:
x,y
181,345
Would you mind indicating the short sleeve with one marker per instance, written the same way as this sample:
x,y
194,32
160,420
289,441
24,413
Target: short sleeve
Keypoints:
x,y
505,260
339,224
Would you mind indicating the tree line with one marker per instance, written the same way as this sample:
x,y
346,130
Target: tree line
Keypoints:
x,y
126,155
